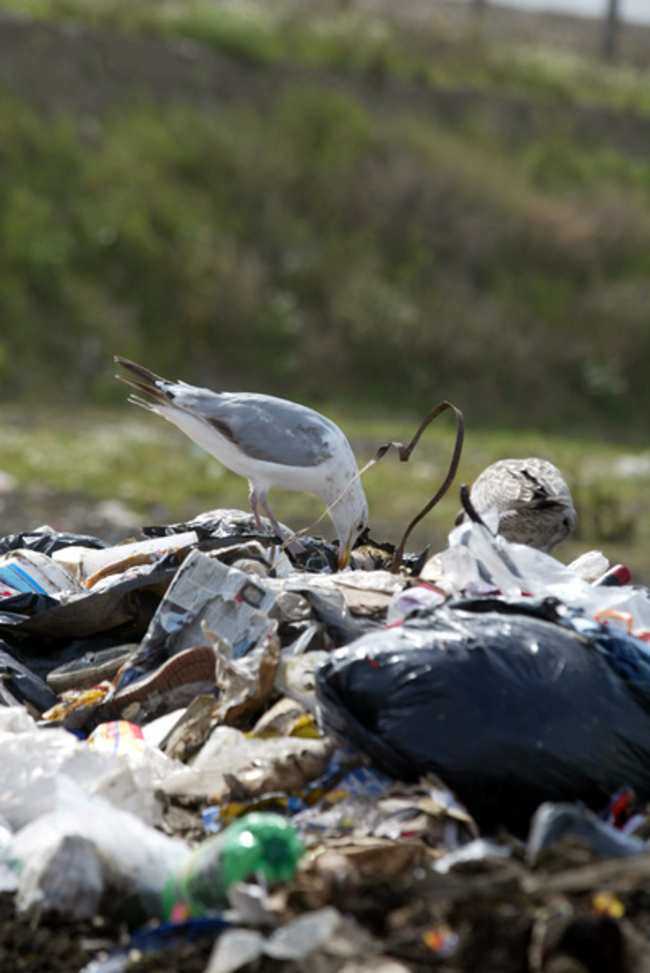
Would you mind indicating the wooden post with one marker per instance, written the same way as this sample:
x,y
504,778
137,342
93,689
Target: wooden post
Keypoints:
x,y
611,30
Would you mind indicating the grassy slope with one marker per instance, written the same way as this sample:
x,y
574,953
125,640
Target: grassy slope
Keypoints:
x,y
333,234
316,245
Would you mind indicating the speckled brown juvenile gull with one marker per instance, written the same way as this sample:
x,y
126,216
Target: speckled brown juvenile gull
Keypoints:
x,y
531,498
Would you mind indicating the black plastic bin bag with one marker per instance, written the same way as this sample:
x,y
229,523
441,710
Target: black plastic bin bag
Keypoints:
x,y
509,707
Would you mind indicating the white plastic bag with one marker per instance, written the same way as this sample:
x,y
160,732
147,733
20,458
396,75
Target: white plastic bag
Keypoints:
x,y
33,758
477,562
67,858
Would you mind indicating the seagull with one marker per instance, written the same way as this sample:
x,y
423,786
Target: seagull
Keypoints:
x,y
531,498
270,441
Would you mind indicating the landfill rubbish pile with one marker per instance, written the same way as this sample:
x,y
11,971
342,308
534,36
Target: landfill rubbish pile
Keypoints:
x,y
220,755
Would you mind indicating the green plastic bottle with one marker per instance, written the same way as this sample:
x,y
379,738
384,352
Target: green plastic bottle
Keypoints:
x,y
259,843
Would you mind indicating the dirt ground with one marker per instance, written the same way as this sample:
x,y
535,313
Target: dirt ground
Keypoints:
x,y
487,925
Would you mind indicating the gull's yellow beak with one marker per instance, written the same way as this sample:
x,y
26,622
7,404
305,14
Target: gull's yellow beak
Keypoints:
x,y
344,554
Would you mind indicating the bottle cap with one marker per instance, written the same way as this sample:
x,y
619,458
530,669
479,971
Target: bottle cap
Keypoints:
x,y
618,575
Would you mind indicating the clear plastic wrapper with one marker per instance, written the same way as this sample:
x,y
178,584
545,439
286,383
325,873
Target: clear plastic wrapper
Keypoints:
x,y
477,562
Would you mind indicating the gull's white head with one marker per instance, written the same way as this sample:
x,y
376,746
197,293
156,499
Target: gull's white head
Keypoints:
x,y
349,515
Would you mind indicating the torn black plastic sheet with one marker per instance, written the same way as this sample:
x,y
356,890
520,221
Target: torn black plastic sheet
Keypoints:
x,y
47,541
23,685
127,605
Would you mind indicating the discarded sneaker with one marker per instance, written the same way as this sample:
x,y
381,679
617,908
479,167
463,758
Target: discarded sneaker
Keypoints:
x,y
197,664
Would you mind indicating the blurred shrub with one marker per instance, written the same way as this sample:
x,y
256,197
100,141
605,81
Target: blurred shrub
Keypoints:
x,y
312,248
604,517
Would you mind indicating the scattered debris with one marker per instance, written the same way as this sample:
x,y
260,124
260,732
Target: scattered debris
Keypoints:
x,y
445,766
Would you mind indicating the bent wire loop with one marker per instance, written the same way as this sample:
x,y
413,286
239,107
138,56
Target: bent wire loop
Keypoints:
x,y
404,453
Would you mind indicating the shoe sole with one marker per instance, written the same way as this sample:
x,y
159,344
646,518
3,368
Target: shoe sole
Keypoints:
x,y
192,665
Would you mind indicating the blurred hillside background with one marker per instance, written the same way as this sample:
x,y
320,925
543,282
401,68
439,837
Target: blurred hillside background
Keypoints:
x,y
367,205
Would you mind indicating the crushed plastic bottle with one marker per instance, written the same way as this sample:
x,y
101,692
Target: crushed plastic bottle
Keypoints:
x,y
259,844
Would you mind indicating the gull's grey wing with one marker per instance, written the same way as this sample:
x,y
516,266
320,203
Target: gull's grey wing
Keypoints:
x,y
264,427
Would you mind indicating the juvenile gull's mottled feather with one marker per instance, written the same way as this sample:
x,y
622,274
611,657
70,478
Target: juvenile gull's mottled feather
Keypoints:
x,y
531,498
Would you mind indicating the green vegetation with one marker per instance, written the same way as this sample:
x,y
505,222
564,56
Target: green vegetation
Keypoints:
x,y
319,245
318,249
382,218
342,37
